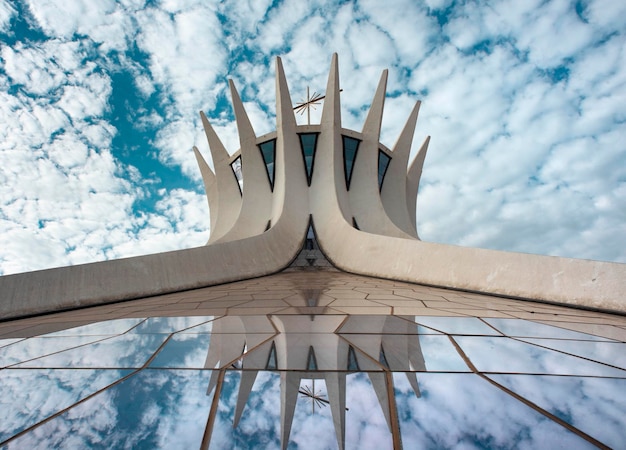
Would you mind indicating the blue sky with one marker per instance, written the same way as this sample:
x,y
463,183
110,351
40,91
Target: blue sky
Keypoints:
x,y
525,103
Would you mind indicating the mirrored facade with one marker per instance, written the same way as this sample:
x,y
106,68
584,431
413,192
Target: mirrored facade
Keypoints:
x,y
315,359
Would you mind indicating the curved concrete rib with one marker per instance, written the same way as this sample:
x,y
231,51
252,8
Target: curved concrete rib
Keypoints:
x,y
570,281
365,202
226,201
143,276
290,185
208,178
394,191
256,204
329,157
413,181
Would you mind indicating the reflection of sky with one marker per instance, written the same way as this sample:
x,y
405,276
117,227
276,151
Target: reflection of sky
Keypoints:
x,y
127,350
28,396
260,424
457,325
152,409
166,405
108,327
613,353
37,347
591,404
465,411
518,327
500,354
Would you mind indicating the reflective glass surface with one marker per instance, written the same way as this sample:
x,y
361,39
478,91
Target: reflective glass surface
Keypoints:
x,y
268,151
383,163
308,142
350,148
315,377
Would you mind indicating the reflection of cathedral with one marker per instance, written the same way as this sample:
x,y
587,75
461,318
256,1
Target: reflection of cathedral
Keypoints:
x,y
314,273
326,347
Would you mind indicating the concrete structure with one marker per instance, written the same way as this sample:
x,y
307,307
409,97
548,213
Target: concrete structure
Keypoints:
x,y
264,305
365,224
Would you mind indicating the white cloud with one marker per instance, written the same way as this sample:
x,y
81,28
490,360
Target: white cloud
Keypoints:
x,y
532,122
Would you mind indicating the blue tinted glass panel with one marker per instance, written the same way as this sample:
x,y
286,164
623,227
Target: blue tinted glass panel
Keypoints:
x,y
308,143
271,360
350,148
312,362
268,150
383,163
352,361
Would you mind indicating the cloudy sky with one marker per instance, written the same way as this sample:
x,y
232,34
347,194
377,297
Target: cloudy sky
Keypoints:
x,y
99,101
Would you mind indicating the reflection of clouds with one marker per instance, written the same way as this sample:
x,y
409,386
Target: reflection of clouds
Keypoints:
x,y
519,327
36,347
501,354
47,391
594,405
183,351
169,324
308,347
464,411
613,353
152,409
366,426
127,350
457,325
107,327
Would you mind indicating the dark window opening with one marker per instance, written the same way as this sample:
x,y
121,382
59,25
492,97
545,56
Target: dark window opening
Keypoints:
x,y
350,149
268,151
310,238
308,145
271,360
311,363
382,358
353,364
383,165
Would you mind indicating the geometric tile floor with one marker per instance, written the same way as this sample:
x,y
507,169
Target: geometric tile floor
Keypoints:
x,y
318,359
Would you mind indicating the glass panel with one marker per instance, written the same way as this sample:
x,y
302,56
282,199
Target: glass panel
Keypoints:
x,y
235,325
268,150
271,358
524,328
383,163
125,351
350,148
353,364
505,355
409,352
465,411
105,328
36,347
308,143
39,393
613,353
457,325
5,342
169,324
595,406
152,409
379,324
236,166
312,362
252,419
